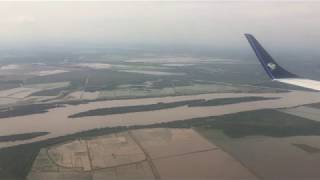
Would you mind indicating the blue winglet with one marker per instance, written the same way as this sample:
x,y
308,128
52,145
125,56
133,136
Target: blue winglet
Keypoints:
x,y
273,69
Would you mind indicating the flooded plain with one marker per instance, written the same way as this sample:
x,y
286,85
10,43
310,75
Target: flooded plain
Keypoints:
x,y
159,73
57,123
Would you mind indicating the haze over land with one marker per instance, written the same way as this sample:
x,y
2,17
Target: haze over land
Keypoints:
x,y
289,29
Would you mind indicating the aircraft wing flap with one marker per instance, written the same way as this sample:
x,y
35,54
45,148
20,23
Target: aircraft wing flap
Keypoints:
x,y
307,83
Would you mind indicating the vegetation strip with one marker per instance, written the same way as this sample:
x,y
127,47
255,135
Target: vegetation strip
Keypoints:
x,y
24,136
23,110
225,101
159,106
139,108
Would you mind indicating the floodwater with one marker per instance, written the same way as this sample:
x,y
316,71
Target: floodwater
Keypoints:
x,y
95,65
56,121
83,95
48,72
6,101
159,73
20,92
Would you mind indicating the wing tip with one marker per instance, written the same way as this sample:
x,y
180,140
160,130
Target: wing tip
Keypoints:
x,y
272,68
248,35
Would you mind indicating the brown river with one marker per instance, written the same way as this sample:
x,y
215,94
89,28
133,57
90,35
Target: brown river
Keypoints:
x,y
56,121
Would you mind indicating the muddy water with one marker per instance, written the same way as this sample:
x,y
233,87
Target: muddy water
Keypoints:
x,y
56,121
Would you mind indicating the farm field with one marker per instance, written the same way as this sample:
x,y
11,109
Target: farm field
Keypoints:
x,y
135,154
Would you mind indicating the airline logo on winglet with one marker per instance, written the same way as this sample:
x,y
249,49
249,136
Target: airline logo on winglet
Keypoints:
x,y
272,66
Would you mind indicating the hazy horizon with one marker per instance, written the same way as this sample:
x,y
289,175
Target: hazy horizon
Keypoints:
x,y
203,24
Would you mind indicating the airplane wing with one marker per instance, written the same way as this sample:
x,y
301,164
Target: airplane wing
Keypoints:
x,y
275,71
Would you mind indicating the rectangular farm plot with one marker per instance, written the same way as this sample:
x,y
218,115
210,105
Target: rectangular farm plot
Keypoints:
x,y
114,150
214,164
184,154
163,142
71,155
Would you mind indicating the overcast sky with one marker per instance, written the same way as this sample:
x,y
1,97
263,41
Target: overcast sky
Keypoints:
x,y
205,23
